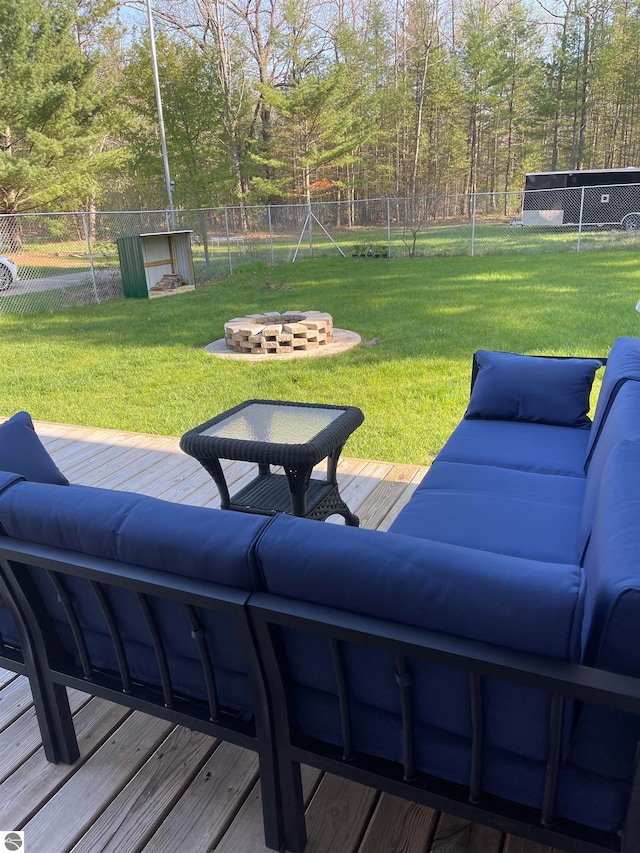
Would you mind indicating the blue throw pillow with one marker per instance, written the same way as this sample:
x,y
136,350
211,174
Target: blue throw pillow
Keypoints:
x,y
22,452
531,388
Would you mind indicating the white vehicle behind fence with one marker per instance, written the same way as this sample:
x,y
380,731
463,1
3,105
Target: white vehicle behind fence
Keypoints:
x,y
8,272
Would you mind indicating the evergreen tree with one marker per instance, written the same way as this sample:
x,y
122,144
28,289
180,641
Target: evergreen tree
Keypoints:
x,y
197,125
48,107
320,128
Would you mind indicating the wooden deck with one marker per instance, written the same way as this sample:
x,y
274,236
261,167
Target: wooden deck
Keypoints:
x,y
142,784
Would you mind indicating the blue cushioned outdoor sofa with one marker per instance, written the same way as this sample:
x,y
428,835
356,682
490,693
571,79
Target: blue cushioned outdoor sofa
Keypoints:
x,y
483,656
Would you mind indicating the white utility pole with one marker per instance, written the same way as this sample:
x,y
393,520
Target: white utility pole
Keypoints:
x,y
163,139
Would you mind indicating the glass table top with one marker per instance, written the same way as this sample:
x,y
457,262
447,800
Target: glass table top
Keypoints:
x,y
275,424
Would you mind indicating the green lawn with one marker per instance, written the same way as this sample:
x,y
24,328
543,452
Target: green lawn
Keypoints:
x,y
442,239
140,365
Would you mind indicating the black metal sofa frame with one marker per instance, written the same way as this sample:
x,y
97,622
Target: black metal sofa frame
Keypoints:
x,y
51,669
258,619
561,680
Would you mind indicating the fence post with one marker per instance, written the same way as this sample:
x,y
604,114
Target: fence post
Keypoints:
x,y
226,226
388,227
87,237
270,233
473,227
580,220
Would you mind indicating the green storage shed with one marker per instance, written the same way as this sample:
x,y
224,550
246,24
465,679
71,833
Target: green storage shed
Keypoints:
x,y
146,258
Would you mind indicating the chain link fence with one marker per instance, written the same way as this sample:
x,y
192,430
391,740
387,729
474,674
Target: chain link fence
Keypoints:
x,y
66,259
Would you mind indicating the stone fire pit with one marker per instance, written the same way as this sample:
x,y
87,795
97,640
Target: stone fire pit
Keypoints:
x,y
279,334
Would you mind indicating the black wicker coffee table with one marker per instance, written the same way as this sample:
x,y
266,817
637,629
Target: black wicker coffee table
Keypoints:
x,y
295,436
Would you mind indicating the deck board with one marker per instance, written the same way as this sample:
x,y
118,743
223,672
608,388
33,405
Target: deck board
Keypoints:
x,y
399,826
454,835
16,699
22,738
142,785
35,781
141,806
61,822
338,815
5,677
211,802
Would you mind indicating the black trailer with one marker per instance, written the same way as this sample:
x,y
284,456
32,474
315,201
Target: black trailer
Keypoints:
x,y
600,197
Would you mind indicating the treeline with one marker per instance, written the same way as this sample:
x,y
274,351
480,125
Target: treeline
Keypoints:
x,y
290,100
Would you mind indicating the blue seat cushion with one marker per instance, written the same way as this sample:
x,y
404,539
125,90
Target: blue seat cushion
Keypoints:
x,y
531,388
540,448
511,482
22,452
501,510
583,797
592,799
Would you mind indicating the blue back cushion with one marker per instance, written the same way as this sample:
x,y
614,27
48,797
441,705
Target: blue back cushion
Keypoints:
x,y
622,423
504,600
190,541
22,452
606,740
8,630
623,363
534,389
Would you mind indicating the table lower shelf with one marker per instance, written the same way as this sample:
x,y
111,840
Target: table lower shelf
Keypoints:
x,y
269,494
